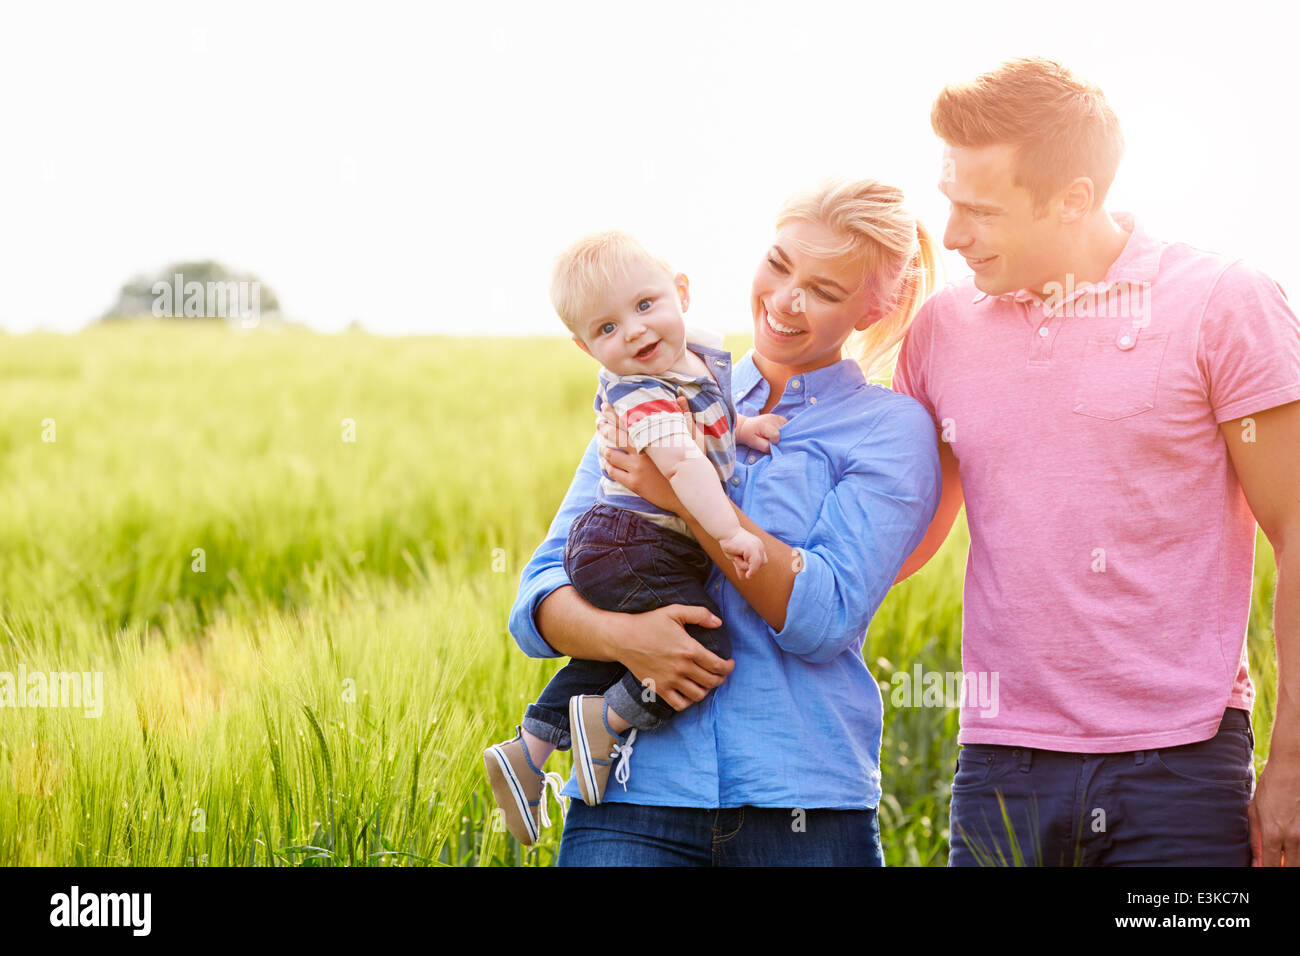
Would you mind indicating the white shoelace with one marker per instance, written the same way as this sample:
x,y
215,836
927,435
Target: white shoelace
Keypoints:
x,y
556,784
623,752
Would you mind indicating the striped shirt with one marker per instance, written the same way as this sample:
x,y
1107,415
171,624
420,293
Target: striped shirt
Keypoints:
x,y
649,406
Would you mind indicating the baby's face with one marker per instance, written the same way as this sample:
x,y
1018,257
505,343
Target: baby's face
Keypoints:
x,y
636,327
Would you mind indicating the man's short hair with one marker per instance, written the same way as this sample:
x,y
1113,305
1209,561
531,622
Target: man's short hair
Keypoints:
x,y
1061,126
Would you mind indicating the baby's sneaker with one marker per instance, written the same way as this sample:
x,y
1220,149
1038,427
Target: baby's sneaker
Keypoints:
x,y
520,788
595,748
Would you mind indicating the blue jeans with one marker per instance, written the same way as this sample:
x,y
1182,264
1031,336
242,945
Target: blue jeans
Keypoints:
x,y
627,834
619,561
1176,806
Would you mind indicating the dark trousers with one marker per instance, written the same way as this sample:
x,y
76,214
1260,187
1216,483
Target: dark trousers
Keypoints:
x,y
626,834
1175,806
619,561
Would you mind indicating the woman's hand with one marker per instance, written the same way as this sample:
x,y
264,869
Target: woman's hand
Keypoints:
x,y
653,645
633,470
660,652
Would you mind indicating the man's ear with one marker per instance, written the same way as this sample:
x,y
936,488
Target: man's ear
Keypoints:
x,y
683,286
582,345
1076,200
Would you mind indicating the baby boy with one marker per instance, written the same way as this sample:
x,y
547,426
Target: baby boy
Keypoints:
x,y
625,309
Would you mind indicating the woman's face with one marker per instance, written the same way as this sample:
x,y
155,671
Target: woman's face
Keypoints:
x,y
806,306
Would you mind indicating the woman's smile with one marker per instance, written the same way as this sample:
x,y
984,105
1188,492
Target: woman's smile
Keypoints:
x,y
780,328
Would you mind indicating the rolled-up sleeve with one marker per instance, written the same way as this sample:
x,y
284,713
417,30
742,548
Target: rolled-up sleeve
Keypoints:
x,y
545,569
869,523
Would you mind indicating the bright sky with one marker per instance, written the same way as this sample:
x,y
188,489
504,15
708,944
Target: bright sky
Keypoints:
x,y
416,167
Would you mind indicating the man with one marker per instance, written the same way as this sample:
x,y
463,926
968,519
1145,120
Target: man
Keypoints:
x,y
1117,413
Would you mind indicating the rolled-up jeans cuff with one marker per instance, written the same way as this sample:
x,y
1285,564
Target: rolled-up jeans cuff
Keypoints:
x,y
631,708
540,724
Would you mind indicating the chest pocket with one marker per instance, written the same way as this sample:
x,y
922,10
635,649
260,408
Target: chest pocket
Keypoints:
x,y
788,494
1120,374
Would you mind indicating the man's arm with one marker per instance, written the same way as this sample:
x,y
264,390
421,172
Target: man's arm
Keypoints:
x,y
950,502
1268,467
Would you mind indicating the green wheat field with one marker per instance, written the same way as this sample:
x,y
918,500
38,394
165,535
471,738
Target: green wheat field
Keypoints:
x,y
292,557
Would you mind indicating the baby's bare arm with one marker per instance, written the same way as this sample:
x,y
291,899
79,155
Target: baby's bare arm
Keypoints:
x,y
758,431
695,482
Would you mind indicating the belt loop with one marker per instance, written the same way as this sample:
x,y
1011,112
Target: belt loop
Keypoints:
x,y
1026,758
1139,757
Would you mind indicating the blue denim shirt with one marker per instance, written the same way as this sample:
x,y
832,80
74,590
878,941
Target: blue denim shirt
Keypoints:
x,y
853,483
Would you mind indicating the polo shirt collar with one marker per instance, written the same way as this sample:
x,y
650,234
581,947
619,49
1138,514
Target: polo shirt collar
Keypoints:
x,y
1138,263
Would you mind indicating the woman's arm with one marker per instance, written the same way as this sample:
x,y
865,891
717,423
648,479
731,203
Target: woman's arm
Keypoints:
x,y
768,591
874,517
654,646
550,618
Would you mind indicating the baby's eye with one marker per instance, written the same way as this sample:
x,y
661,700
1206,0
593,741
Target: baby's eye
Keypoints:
x,y
607,328
644,302
776,265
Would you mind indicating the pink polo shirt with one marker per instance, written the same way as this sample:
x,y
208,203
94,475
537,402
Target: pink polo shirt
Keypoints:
x,y
1108,582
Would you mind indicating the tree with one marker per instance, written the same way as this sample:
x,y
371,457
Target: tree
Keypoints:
x,y
196,290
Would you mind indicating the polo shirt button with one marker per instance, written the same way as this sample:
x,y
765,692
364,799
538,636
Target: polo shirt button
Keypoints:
x,y
735,480
1125,340
812,399
1043,332
753,458
719,362
715,589
795,383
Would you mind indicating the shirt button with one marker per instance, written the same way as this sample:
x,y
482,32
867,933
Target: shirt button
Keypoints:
x,y
1125,340
735,480
715,589
1043,332
812,399
753,458
795,383
719,362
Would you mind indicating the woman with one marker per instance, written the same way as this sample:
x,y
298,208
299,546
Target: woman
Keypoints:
x,y
774,756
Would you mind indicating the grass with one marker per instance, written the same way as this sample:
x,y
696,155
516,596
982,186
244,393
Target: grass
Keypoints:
x,y
303,637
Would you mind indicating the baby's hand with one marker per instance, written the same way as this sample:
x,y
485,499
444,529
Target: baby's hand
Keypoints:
x,y
746,551
757,431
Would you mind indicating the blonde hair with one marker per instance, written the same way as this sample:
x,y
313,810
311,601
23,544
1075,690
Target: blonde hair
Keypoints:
x,y
589,265
895,250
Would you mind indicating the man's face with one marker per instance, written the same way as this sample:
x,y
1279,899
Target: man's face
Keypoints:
x,y
635,327
993,225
